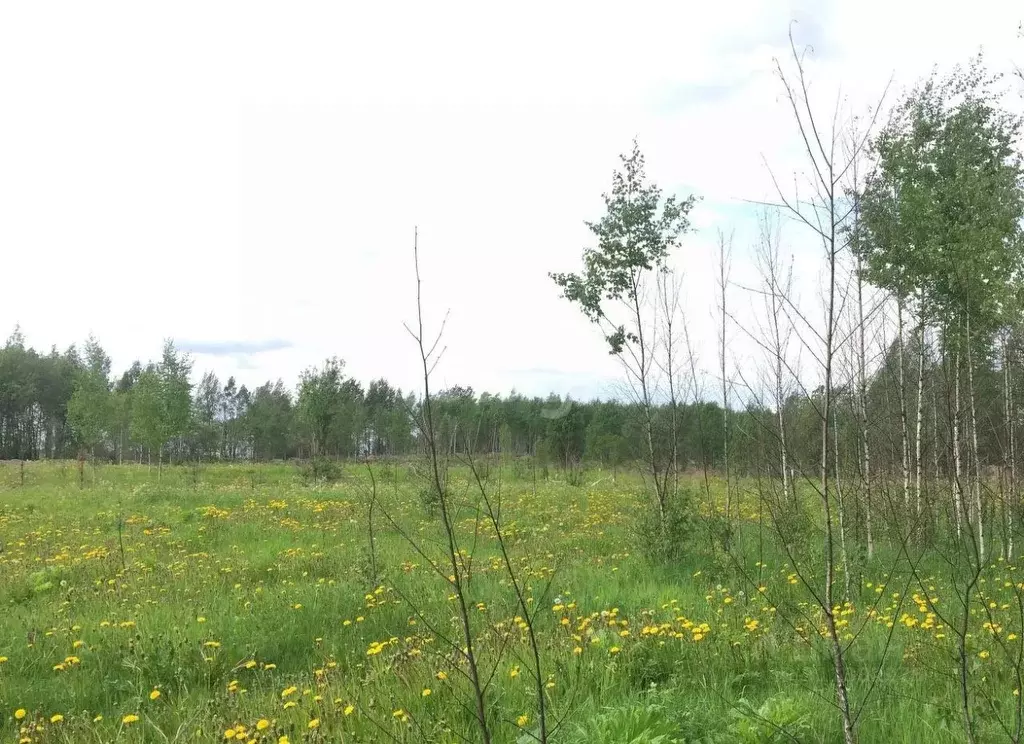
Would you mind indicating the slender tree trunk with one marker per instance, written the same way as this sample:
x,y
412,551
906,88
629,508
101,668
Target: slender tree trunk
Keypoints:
x,y
642,378
862,403
975,452
1007,456
838,661
936,470
1011,437
958,494
918,465
670,306
904,428
725,385
844,556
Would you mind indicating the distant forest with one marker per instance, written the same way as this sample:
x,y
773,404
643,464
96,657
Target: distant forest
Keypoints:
x,y
66,404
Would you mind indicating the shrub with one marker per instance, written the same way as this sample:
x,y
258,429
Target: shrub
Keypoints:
x,y
667,538
321,470
642,723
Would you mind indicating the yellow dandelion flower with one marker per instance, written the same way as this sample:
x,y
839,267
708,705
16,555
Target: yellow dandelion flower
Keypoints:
x,y
315,723
441,676
154,694
522,720
229,733
614,650
349,709
56,718
98,718
426,692
262,724
129,719
19,714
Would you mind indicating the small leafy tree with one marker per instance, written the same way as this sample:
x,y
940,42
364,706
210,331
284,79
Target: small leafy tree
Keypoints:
x,y
161,407
90,411
634,240
320,402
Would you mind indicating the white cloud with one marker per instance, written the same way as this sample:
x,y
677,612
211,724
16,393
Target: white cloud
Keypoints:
x,y
244,171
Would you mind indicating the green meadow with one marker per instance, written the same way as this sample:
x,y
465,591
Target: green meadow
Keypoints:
x,y
244,603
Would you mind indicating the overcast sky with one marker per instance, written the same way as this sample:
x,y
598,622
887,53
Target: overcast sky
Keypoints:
x,y
245,177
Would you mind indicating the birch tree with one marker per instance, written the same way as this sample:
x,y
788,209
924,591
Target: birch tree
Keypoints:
x,y
634,240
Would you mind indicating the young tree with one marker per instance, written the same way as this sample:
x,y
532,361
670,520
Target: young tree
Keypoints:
x,y
162,401
175,392
942,215
90,410
319,404
634,239
206,406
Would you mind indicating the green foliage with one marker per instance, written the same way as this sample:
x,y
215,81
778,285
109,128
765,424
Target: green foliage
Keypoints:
x,y
781,718
634,237
641,723
161,401
669,537
321,470
90,409
941,215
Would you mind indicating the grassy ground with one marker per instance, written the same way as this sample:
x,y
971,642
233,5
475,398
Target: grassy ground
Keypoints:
x,y
240,603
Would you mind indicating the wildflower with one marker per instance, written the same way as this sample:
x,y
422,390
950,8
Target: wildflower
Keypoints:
x,y
98,718
614,650
522,720
129,719
426,692
3,659
290,704
289,691
983,654
56,718
154,694
315,723
229,733
441,676
349,709
514,672
262,724
19,714
284,740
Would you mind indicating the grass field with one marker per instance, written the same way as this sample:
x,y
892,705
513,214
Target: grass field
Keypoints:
x,y
239,603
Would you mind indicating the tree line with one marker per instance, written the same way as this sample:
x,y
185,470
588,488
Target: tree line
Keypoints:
x,y
63,404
